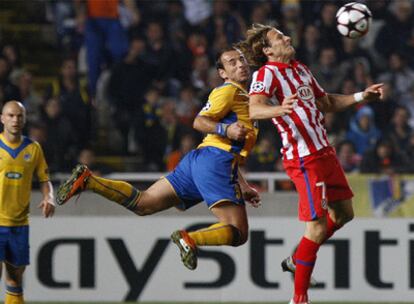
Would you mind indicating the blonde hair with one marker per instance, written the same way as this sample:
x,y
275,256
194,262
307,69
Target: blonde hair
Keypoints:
x,y
252,46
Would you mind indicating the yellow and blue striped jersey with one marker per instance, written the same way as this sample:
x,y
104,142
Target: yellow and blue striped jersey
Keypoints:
x,y
229,103
18,163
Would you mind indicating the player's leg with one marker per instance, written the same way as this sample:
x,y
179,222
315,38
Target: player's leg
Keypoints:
x,y
216,181
231,229
309,180
339,194
158,197
14,286
16,258
339,213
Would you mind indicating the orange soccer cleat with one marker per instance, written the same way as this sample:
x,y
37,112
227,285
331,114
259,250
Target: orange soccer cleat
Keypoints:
x,y
188,249
75,184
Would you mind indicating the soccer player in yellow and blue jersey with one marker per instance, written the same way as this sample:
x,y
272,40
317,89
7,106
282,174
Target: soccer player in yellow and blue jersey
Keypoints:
x,y
209,173
20,159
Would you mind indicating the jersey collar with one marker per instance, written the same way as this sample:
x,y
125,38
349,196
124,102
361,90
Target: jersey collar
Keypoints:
x,y
281,65
237,85
14,152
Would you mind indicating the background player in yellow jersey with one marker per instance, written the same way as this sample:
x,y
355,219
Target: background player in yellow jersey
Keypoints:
x,y
208,173
20,159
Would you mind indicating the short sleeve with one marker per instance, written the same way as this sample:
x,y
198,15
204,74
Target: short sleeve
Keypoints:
x,y
42,170
219,103
263,83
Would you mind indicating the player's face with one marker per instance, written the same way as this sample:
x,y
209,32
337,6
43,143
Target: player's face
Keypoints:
x,y
279,45
13,118
235,67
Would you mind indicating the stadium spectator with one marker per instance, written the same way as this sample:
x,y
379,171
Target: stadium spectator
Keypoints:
x,y
401,78
12,54
399,130
384,108
61,146
103,31
23,159
187,143
8,91
161,56
333,126
260,13
150,128
71,92
397,30
327,71
327,25
384,159
209,173
347,156
263,156
28,96
129,81
187,106
291,21
200,73
87,157
352,54
363,133
223,22
309,48
308,158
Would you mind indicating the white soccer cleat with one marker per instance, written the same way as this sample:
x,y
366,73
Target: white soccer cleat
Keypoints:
x,y
292,302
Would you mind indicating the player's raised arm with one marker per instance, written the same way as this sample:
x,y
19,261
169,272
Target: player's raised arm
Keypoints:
x,y
337,102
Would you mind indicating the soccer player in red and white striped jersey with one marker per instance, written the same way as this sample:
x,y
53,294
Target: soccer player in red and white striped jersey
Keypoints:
x,y
325,198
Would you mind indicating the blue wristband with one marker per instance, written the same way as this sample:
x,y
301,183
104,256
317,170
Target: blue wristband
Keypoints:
x,y
221,129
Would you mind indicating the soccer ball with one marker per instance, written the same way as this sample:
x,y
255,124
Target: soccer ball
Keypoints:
x,y
353,20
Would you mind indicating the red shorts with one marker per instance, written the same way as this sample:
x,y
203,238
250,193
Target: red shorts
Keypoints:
x,y
319,180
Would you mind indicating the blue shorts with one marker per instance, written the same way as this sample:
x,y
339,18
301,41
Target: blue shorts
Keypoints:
x,y
208,174
14,245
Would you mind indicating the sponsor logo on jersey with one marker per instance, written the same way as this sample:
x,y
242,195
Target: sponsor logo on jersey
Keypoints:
x,y
258,87
13,175
305,92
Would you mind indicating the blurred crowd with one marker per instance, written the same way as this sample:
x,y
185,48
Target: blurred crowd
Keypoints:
x,y
135,73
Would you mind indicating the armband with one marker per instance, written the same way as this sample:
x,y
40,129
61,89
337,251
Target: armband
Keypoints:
x,y
221,129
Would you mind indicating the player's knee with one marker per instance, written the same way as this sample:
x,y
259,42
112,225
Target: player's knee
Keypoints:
x,y
317,233
239,236
344,218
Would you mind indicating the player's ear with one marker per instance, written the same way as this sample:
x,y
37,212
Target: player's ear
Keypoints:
x,y
222,73
266,51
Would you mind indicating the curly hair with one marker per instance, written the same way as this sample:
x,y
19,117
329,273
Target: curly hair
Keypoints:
x,y
252,46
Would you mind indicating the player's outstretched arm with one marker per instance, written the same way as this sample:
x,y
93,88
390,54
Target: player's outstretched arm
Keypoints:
x,y
259,108
47,204
337,102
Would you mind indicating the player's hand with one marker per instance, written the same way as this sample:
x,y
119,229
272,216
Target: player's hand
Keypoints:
x,y
48,208
374,92
251,196
287,105
236,131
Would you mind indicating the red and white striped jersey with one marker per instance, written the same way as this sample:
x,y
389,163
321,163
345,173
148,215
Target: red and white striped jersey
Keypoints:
x,y
303,130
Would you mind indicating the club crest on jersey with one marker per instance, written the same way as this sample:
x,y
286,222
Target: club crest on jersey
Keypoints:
x,y
305,92
27,157
258,87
